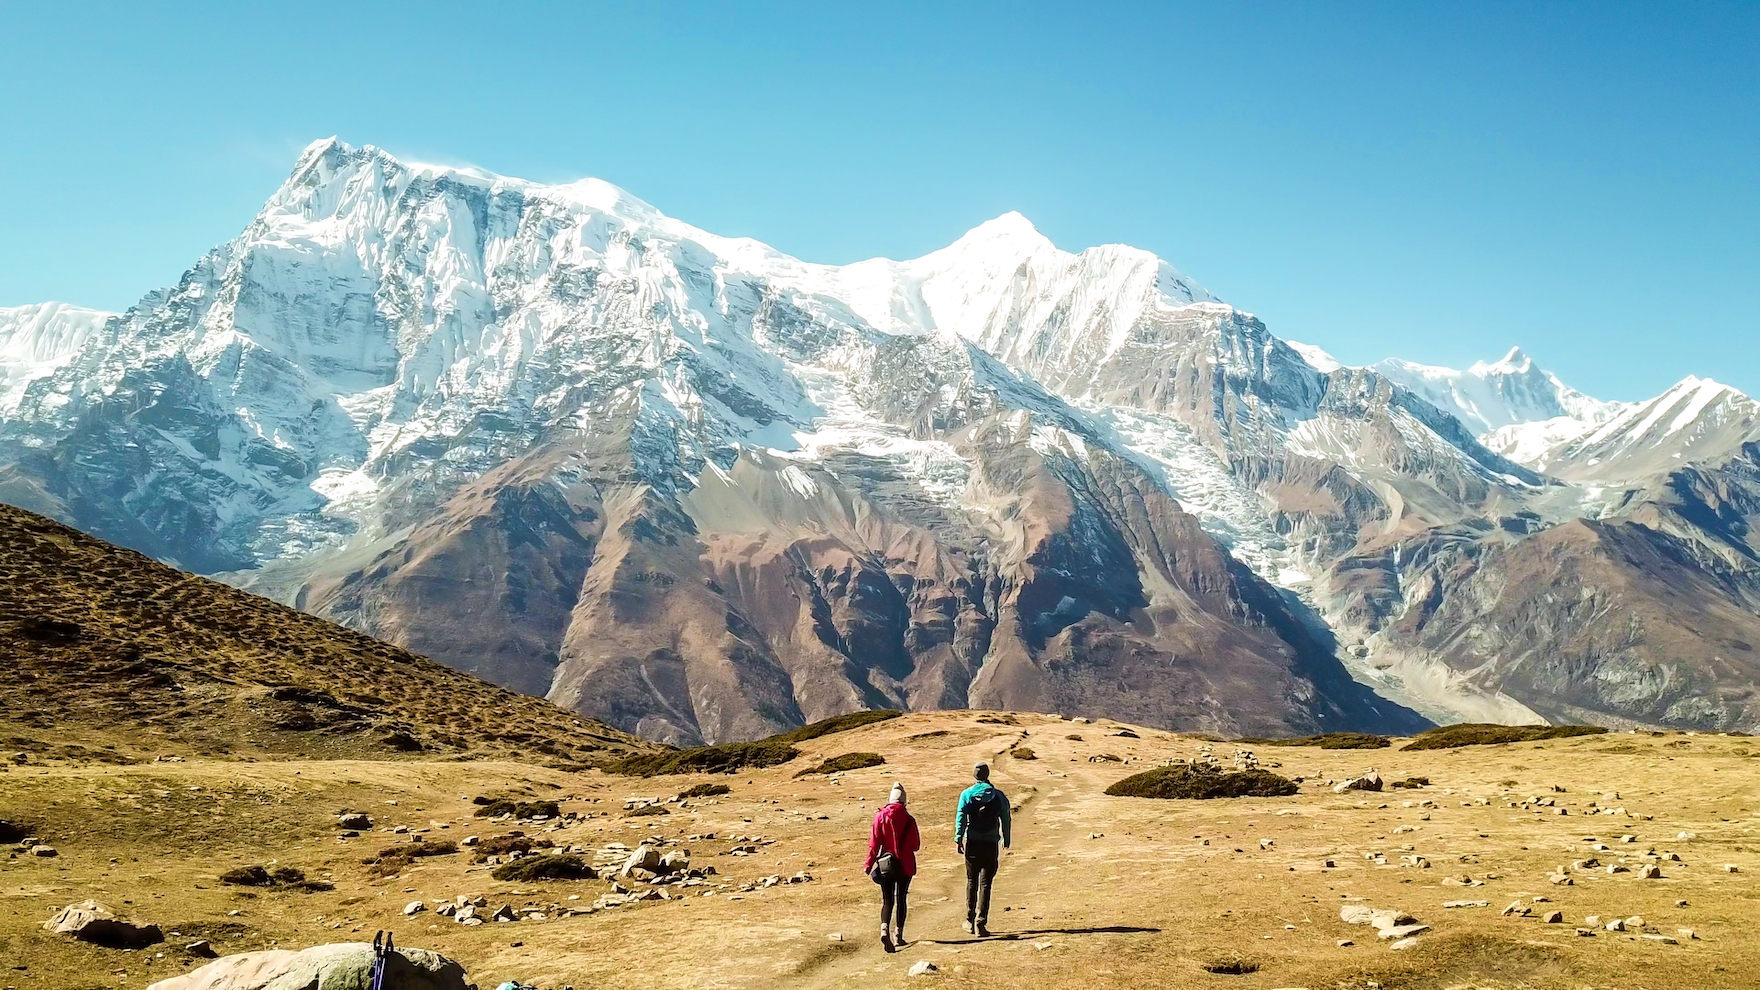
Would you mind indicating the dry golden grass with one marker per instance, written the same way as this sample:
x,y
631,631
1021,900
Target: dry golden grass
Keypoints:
x,y
1099,893
112,656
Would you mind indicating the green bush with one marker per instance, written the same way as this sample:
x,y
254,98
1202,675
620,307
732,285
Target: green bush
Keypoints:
x,y
1491,734
726,758
848,761
1199,782
560,867
646,810
705,790
837,723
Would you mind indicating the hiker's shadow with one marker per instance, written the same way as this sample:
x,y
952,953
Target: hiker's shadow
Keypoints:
x,y
1036,932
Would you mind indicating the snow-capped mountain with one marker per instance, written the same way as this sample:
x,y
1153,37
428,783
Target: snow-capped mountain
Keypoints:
x,y
704,490
1487,397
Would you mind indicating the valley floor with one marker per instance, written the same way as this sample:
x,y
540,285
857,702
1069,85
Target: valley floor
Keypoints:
x,y
1098,892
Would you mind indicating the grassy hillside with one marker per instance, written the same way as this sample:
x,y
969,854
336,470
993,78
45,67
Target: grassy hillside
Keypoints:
x,y
113,656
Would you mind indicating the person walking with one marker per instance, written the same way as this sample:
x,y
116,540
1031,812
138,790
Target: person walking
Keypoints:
x,y
981,830
892,861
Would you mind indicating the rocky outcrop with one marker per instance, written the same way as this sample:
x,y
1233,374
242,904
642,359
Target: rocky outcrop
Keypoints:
x,y
98,924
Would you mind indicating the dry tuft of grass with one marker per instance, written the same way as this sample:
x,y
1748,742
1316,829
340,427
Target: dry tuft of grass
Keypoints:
x,y
1023,753
519,809
1230,964
704,790
1329,740
1488,734
557,867
727,758
848,761
1197,781
837,723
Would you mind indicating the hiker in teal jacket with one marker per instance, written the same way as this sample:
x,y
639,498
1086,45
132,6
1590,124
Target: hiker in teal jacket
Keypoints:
x,y
981,830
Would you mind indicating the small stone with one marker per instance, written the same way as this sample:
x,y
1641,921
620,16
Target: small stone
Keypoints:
x,y
1664,939
1651,872
835,937
923,967
1686,933
1553,918
1403,931
48,852
201,950
1616,925
1404,943
1731,868
414,907
1343,942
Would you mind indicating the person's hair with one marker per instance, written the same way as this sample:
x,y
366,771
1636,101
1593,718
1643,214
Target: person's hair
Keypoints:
x,y
981,771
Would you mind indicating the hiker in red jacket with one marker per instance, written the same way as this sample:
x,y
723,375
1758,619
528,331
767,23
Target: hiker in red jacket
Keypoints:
x,y
892,861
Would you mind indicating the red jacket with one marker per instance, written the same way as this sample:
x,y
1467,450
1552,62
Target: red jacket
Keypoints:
x,y
895,831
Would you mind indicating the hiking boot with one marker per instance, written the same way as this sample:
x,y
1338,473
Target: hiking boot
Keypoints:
x,y
898,939
983,930
886,939
970,928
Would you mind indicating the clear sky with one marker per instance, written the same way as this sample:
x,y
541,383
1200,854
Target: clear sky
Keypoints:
x,y
1433,181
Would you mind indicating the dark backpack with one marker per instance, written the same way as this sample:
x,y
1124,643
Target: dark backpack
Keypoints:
x,y
985,816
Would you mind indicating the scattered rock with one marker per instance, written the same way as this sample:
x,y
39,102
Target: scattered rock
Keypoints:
x,y
1516,909
96,923
354,820
1370,781
1466,904
923,967
201,949
48,852
348,964
1403,931
1616,925
1651,872
1664,939
414,907
1554,918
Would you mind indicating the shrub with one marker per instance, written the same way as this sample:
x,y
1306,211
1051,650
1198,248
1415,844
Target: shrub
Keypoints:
x,y
1412,782
1199,782
248,876
1230,964
418,849
1073,737
646,810
281,876
1491,734
1023,753
705,790
726,758
1329,740
837,723
848,761
499,845
999,720
1126,734
562,867
519,809
937,734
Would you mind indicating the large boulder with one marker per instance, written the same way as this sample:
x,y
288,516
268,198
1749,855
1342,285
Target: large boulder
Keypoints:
x,y
342,966
96,923
643,857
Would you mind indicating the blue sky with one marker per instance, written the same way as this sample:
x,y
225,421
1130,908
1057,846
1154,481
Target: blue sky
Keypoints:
x,y
1433,181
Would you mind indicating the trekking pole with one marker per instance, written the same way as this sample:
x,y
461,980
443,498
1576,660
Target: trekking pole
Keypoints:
x,y
381,950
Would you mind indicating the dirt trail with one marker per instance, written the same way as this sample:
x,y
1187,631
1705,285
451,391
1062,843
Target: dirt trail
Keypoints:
x,y
937,897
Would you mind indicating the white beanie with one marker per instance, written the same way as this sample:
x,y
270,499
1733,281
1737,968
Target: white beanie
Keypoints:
x,y
897,795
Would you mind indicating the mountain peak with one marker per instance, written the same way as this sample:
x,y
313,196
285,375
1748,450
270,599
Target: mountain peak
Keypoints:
x,y
1516,362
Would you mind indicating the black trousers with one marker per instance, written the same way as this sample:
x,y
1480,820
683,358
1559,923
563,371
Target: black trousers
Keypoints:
x,y
983,856
893,894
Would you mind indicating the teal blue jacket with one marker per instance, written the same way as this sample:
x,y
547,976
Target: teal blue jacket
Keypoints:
x,y
962,821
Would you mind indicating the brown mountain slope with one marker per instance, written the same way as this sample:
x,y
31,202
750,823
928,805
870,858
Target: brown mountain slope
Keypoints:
x,y
109,653
1613,622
